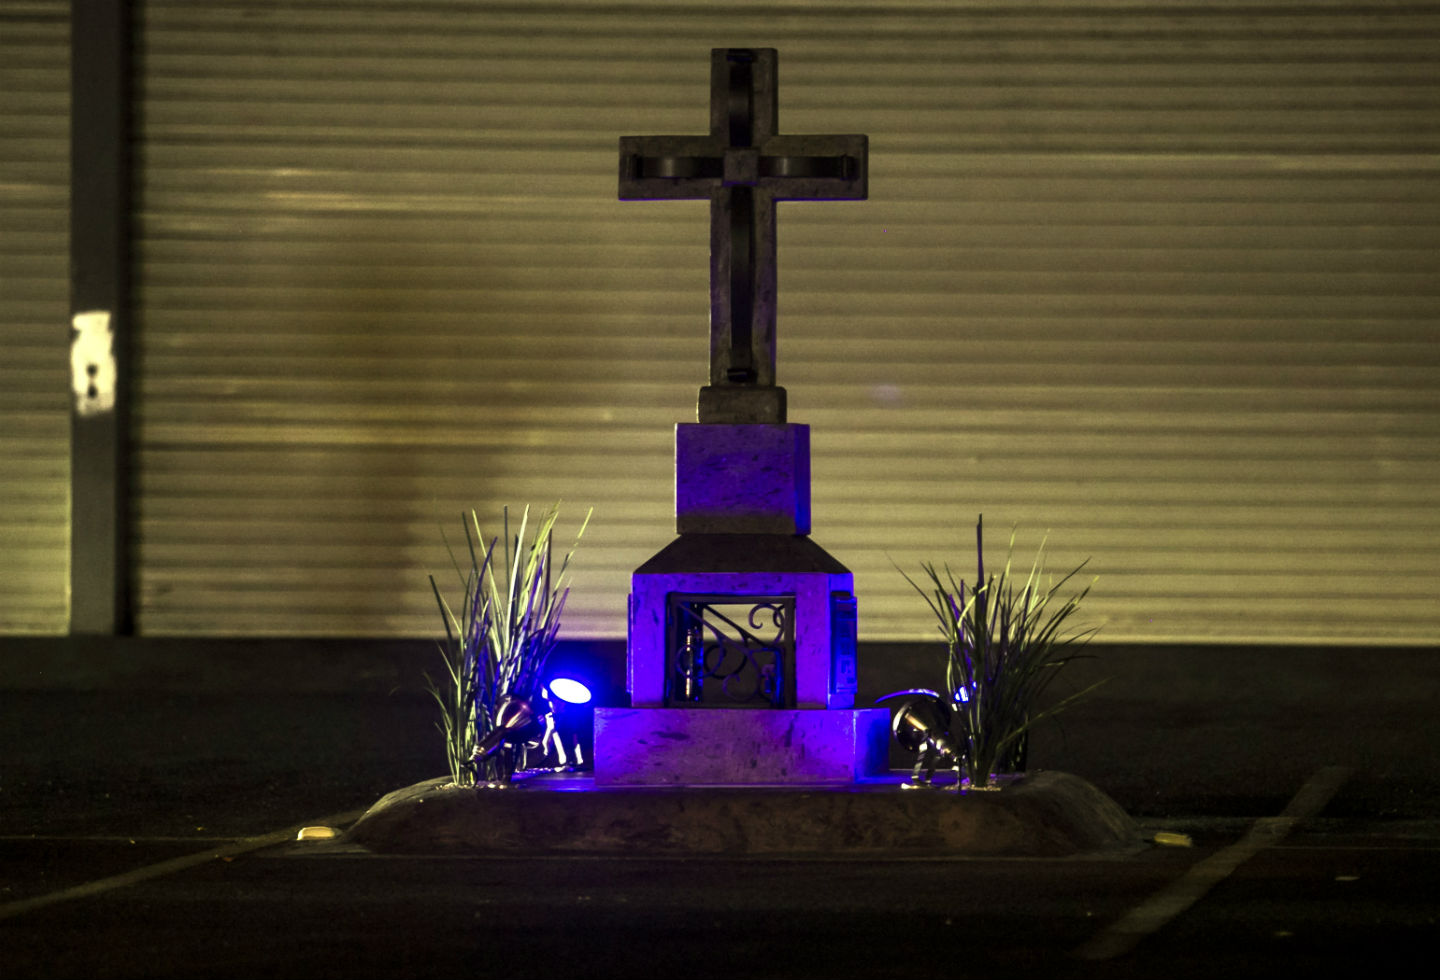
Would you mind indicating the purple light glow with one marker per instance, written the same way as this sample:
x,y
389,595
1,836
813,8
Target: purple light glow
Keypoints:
x,y
569,690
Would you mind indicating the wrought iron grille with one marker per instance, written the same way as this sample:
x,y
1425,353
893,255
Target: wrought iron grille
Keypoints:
x,y
731,651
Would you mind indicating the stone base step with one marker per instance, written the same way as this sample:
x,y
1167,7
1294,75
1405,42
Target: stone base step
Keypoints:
x,y
1040,814
725,746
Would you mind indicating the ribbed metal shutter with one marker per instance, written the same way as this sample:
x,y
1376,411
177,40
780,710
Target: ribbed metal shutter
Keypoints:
x,y
1160,280
34,312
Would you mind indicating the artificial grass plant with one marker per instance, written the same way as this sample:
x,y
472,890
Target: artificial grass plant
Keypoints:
x,y
1006,641
496,647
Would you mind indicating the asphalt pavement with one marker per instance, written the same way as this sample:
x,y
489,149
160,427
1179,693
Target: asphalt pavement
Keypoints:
x,y
152,790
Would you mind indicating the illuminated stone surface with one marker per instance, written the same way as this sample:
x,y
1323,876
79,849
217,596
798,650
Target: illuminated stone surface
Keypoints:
x,y
735,479
729,746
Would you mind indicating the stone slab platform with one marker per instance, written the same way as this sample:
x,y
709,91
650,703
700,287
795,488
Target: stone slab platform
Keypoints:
x,y
1044,814
724,746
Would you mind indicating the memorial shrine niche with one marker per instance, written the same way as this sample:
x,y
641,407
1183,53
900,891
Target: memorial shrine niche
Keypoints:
x,y
742,631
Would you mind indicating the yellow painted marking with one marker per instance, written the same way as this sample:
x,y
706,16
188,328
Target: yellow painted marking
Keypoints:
x,y
317,833
1167,838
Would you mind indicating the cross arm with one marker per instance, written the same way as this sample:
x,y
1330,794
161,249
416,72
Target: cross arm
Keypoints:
x,y
654,168
830,168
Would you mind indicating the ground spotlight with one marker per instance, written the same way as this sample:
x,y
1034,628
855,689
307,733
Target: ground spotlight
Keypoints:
x,y
922,725
570,690
571,712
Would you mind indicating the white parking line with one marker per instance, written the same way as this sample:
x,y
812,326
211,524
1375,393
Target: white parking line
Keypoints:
x,y
1150,915
12,909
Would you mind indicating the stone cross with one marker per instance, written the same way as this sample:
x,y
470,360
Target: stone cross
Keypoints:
x,y
743,167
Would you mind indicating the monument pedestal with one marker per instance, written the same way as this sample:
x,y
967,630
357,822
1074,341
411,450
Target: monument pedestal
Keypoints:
x,y
739,746
742,632
742,479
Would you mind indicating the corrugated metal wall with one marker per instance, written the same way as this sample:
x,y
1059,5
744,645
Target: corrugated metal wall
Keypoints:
x,y
34,316
1159,279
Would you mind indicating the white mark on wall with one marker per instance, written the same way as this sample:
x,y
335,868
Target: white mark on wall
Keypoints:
x,y
889,396
92,362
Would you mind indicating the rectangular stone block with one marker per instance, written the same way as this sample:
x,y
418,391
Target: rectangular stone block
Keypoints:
x,y
729,746
742,479
734,404
814,593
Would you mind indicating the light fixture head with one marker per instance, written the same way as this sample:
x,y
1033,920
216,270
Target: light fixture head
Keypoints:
x,y
570,690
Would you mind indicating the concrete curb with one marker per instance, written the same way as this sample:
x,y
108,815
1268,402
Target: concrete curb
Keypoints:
x,y
1044,814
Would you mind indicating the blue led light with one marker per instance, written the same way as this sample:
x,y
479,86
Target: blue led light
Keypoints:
x,y
570,690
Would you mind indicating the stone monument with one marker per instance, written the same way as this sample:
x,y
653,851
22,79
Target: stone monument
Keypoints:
x,y
742,632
